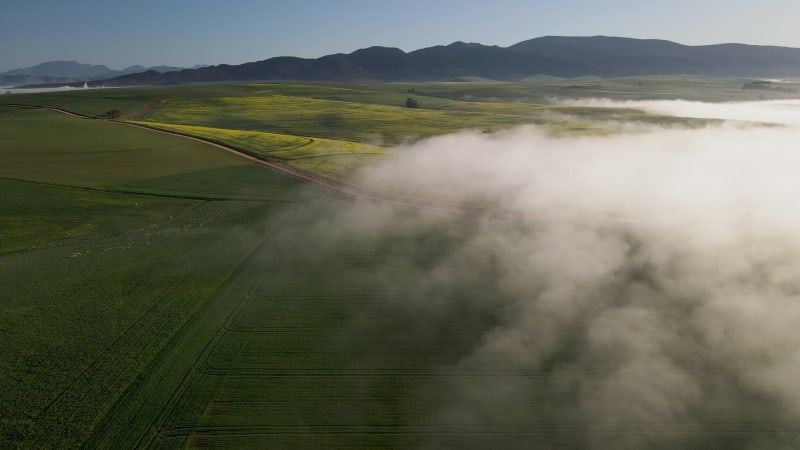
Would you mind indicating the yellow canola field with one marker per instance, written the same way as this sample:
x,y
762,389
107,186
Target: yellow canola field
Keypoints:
x,y
327,157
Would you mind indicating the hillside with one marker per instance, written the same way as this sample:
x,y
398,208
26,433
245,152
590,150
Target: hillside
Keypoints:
x,y
552,55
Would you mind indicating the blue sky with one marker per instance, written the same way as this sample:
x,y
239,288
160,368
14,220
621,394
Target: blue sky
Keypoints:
x,y
184,33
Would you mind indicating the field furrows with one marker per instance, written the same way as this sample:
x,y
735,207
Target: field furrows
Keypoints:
x,y
238,290
114,337
293,365
191,342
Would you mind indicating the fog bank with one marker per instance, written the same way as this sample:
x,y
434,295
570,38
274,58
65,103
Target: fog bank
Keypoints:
x,y
642,290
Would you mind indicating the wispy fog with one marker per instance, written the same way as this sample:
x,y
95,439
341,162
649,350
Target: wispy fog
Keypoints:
x,y
639,291
16,90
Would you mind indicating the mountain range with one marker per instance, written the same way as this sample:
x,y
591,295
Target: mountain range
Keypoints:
x,y
70,71
602,56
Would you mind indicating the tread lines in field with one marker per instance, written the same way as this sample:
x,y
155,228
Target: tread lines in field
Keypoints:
x,y
102,356
133,399
601,428
279,305
276,314
145,193
134,324
159,427
206,367
155,427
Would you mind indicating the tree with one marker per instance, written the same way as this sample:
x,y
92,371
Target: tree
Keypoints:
x,y
412,103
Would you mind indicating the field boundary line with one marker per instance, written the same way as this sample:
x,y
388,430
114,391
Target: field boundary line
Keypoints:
x,y
138,115
109,430
142,193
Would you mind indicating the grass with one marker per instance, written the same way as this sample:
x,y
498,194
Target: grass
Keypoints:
x,y
84,315
248,182
45,146
127,100
36,216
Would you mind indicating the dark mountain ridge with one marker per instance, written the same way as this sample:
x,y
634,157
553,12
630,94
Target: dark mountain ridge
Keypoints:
x,y
561,56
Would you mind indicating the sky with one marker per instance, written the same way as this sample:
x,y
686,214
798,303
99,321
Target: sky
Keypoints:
x,y
184,33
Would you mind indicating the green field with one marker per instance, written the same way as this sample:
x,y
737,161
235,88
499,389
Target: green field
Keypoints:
x,y
350,123
111,240
159,292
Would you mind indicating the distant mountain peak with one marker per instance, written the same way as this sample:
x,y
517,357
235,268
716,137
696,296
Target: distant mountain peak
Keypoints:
x,y
70,71
63,68
461,44
378,51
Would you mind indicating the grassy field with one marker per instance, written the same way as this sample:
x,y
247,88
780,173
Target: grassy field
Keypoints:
x,y
98,280
86,315
92,153
158,292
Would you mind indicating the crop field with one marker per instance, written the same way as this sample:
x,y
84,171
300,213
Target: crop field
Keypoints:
x,y
161,292
346,121
77,151
292,363
350,123
327,157
98,279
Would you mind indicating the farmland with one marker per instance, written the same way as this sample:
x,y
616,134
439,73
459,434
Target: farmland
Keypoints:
x,y
362,120
103,231
159,292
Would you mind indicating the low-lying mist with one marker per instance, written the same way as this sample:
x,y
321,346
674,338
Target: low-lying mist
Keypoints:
x,y
639,290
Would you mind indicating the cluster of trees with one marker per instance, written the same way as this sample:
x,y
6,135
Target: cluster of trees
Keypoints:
x,y
411,102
